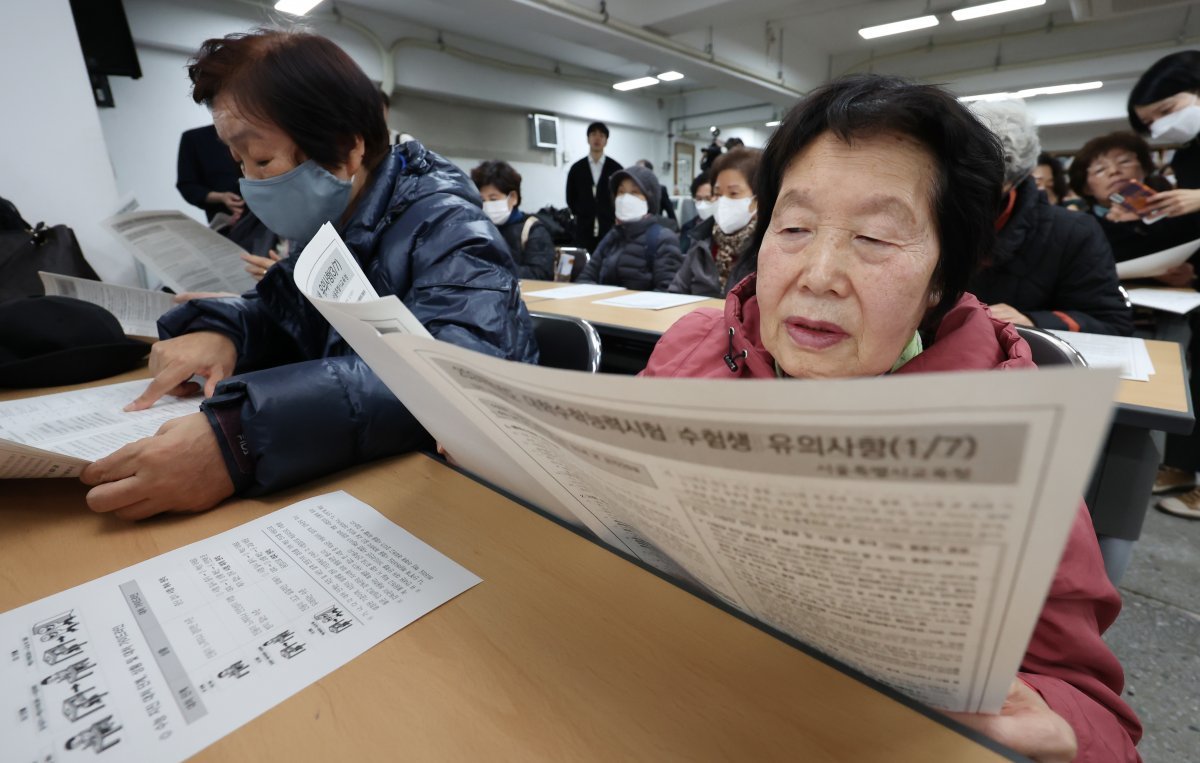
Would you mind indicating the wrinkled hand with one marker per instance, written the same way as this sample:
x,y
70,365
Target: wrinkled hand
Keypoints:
x,y
1003,312
174,361
230,200
1119,214
187,296
1178,276
1181,201
258,266
179,469
1027,725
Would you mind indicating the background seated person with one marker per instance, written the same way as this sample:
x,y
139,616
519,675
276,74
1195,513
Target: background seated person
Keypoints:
x,y
639,252
703,199
1050,268
1100,168
1052,180
288,400
528,240
876,200
666,207
717,260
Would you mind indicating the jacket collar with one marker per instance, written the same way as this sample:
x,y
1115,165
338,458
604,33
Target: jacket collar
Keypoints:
x,y
1022,221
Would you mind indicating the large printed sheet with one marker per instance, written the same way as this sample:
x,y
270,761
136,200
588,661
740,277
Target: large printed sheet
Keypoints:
x,y
159,660
187,256
58,435
909,526
137,310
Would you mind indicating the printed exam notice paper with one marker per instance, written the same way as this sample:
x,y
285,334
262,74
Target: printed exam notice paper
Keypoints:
x,y
159,660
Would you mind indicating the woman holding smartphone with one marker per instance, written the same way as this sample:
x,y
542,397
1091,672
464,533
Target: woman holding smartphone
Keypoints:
x,y
1165,104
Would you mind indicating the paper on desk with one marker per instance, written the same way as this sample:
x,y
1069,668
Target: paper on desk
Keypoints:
x,y
1158,263
571,292
1128,354
159,660
1169,300
137,310
57,435
897,524
186,255
650,300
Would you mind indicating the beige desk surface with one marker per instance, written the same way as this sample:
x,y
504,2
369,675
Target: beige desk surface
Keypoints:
x,y
1166,389
652,321
564,652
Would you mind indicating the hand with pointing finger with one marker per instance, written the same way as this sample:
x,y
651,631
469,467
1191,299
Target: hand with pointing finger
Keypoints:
x,y
174,361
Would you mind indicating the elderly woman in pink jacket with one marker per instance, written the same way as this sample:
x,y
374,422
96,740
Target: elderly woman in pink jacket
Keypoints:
x,y
876,200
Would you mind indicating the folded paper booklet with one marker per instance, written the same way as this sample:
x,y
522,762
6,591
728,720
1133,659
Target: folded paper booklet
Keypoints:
x,y
159,660
907,526
137,310
186,255
58,435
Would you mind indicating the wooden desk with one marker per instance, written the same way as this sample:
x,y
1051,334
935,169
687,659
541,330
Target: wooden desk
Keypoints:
x,y
618,320
565,651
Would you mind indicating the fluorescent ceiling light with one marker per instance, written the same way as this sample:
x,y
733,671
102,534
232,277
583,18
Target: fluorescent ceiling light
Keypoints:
x,y
296,7
773,123
988,9
896,27
1030,92
670,76
634,84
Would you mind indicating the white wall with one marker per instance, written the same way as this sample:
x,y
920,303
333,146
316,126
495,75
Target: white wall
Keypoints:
x,y
463,109
53,163
142,132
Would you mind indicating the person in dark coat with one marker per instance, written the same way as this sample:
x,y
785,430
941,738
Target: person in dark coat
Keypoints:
x,y
721,251
666,207
528,238
287,398
206,174
639,252
702,197
1051,268
587,189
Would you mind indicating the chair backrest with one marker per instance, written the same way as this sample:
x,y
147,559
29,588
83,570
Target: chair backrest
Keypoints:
x,y
581,258
566,342
1050,349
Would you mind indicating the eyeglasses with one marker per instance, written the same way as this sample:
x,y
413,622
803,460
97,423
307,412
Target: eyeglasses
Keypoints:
x,y
1108,169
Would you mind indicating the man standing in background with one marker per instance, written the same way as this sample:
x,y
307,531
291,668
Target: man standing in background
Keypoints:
x,y
588,195
206,174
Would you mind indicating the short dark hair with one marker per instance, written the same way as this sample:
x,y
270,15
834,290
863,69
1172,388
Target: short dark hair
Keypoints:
x,y
598,127
733,143
1176,73
1058,177
500,174
702,179
969,174
302,82
645,163
743,160
1102,145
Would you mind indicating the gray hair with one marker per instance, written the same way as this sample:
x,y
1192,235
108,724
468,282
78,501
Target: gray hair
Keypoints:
x,y
1012,123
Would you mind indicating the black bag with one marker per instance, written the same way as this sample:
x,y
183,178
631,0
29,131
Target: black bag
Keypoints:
x,y
560,223
24,252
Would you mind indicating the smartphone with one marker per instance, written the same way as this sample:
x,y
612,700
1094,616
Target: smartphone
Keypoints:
x,y
1134,196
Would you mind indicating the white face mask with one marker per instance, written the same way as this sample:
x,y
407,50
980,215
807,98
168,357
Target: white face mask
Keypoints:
x,y
733,214
704,209
497,211
630,208
1178,126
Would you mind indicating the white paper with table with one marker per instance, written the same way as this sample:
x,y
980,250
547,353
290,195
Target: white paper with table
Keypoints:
x,y
1178,301
650,300
1151,265
159,660
908,526
186,255
137,310
1127,354
573,292
57,435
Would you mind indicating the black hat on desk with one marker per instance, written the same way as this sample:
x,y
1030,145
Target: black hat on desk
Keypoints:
x,y
49,341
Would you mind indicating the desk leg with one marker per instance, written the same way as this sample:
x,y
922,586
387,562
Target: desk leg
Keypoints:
x,y
1119,493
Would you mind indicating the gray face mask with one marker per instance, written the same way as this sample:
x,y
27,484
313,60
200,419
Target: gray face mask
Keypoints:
x,y
297,203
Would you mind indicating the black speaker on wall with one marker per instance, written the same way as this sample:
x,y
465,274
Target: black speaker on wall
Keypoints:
x,y
107,45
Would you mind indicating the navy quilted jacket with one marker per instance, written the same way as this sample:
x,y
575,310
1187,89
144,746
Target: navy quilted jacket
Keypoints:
x,y
307,404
